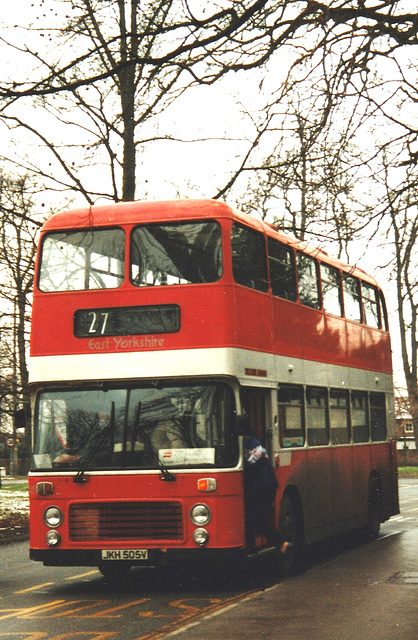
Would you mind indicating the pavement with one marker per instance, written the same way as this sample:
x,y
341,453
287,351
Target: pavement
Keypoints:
x,y
5,480
369,592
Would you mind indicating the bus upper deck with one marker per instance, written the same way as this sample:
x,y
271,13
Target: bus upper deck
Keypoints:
x,y
151,277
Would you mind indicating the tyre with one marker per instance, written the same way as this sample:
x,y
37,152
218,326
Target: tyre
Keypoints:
x,y
374,509
291,529
114,570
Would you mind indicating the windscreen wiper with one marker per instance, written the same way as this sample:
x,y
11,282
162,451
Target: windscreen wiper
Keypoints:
x,y
80,477
166,475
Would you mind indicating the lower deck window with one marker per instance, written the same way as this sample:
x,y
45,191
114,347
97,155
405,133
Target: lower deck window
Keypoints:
x,y
291,422
359,417
338,417
378,416
316,416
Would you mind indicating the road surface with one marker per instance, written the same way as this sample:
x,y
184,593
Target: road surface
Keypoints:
x,y
350,590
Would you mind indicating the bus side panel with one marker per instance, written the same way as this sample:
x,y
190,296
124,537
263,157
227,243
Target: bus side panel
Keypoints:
x,y
384,465
252,319
313,336
355,347
286,328
368,348
376,349
342,482
320,507
336,340
361,474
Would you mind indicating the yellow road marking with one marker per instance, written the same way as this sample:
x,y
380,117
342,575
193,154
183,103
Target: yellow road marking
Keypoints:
x,y
16,613
83,575
106,613
37,586
25,635
192,613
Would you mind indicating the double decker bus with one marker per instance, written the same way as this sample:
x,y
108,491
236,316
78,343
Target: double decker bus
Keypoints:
x,y
156,327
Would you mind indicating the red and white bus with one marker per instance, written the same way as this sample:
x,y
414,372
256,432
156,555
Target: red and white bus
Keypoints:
x,y
154,326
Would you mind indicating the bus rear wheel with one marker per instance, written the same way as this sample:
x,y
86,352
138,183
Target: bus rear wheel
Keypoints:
x,y
291,529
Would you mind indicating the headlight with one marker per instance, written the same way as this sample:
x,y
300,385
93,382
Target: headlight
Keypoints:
x,y
201,537
53,538
53,517
200,514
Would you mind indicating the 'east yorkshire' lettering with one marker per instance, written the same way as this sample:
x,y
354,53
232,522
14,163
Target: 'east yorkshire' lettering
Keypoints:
x,y
118,343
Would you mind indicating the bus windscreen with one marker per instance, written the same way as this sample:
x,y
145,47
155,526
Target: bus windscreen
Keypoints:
x,y
135,427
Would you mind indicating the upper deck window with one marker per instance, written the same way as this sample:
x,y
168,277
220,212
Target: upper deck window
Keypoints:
x,y
352,303
308,281
249,263
176,253
79,260
331,290
282,271
370,305
384,315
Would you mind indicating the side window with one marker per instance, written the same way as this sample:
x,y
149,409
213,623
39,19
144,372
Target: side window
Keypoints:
x,y
370,305
249,264
359,416
383,312
308,281
338,417
352,306
331,290
282,271
291,422
316,416
378,416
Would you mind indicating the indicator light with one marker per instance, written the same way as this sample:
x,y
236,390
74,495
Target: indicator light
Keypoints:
x,y
207,484
44,488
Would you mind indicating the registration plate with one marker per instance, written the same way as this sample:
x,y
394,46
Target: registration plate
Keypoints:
x,y
125,554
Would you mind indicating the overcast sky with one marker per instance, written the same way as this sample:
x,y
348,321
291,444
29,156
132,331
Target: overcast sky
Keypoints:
x,y
166,169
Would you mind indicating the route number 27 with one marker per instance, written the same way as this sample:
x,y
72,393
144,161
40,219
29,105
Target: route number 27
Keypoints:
x,y
98,322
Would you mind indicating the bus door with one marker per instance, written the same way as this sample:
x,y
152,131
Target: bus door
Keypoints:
x,y
254,403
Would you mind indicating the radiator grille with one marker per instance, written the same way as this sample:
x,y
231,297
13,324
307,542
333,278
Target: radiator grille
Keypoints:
x,y
125,521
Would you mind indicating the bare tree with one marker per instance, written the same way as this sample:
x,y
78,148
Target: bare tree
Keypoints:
x,y
19,230
401,208
120,63
309,184
111,69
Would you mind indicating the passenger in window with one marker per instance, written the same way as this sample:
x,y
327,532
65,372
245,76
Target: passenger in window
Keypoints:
x,y
260,491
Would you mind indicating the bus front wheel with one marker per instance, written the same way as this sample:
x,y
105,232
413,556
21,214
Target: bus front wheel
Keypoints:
x,y
114,570
291,529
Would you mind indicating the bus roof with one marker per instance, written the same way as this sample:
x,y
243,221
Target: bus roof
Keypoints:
x,y
130,213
